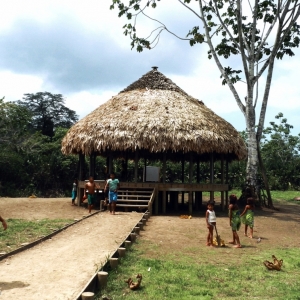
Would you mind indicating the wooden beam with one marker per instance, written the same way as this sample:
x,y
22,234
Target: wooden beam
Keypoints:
x,y
107,167
198,169
81,175
136,165
226,180
110,162
178,187
126,167
182,177
156,201
198,195
92,164
191,165
145,168
164,200
222,182
211,167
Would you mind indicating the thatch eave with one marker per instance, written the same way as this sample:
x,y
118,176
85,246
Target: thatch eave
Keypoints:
x,y
155,121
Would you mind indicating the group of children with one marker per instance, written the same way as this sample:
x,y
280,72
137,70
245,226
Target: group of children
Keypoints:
x,y
110,189
235,220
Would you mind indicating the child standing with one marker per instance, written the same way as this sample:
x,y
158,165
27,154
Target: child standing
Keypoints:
x,y
247,216
74,191
90,187
234,221
211,222
113,185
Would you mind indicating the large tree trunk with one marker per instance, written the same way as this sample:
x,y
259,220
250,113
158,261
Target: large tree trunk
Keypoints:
x,y
252,163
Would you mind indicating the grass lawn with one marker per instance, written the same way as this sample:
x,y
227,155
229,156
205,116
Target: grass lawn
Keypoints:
x,y
277,196
197,272
181,277
25,231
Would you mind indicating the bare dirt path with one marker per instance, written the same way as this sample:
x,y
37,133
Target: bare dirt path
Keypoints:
x,y
40,208
60,267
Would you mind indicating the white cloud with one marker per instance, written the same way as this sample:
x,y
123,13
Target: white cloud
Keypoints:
x,y
85,102
77,48
14,85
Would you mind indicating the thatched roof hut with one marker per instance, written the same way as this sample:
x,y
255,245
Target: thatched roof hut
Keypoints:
x,y
156,116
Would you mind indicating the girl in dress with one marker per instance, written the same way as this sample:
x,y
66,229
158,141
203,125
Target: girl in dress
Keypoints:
x,y
211,221
247,217
234,221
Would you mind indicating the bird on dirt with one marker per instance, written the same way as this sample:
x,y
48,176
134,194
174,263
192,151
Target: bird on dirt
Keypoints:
x,y
259,240
132,285
276,265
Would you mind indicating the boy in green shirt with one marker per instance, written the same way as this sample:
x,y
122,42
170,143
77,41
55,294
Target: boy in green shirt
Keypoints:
x,y
113,185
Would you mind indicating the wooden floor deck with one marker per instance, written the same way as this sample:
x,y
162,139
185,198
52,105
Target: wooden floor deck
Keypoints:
x,y
167,194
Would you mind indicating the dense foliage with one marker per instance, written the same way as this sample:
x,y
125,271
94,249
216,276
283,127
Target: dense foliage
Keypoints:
x,y
281,155
30,156
32,162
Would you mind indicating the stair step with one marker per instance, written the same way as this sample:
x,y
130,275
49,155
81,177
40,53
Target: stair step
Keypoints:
x,y
130,200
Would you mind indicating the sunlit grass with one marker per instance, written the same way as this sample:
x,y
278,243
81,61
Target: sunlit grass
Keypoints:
x,y
185,278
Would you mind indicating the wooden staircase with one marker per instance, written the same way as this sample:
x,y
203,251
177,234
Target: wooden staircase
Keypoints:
x,y
136,199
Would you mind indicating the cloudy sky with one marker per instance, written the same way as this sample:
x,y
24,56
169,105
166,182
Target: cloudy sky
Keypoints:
x,y
77,48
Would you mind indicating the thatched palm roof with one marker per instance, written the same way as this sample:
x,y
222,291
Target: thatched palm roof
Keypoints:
x,y
155,115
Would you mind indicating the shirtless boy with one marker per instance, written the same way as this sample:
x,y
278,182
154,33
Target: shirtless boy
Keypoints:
x,y
90,186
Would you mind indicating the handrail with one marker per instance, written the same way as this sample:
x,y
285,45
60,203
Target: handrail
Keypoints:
x,y
151,201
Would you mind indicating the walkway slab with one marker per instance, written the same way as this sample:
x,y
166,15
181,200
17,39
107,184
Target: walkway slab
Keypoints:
x,y
60,267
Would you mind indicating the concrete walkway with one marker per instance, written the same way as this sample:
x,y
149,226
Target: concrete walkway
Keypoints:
x,y
59,268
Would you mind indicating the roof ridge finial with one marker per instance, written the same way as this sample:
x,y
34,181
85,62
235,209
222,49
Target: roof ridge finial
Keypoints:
x,y
154,68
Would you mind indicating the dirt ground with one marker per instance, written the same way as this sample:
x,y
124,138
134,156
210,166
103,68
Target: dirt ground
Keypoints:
x,y
40,208
60,267
170,235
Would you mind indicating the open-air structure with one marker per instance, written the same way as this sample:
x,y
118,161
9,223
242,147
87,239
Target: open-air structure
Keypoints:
x,y
155,119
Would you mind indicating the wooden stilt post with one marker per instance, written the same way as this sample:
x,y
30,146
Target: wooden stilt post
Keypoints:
x,y
156,199
226,179
211,165
107,167
136,162
92,164
191,164
182,177
222,181
126,167
145,168
81,176
110,163
198,195
164,204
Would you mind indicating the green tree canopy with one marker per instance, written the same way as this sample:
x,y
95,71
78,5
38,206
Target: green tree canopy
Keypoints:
x,y
281,154
14,121
48,112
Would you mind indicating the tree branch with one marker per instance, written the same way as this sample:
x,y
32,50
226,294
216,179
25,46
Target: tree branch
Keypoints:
x,y
191,10
218,63
276,45
165,28
225,27
256,97
266,37
240,34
